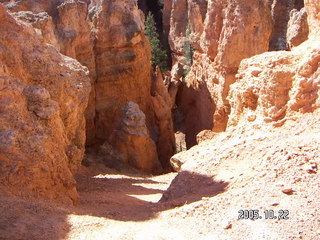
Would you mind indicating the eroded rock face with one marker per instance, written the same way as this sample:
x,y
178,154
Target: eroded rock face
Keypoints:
x,y
123,64
298,29
64,24
291,86
313,7
274,87
132,141
41,21
43,96
177,16
75,40
280,10
223,33
273,125
36,6
162,105
124,74
107,37
166,14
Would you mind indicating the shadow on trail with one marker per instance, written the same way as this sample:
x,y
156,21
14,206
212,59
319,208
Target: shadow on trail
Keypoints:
x,y
112,197
24,219
190,187
123,199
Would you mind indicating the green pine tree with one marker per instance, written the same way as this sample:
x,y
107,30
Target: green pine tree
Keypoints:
x,y
158,54
188,51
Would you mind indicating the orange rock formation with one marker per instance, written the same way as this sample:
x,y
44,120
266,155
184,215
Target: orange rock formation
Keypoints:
x,y
106,37
223,33
43,96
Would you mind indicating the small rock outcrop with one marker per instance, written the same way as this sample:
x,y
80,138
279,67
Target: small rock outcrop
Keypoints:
x,y
41,21
298,29
43,96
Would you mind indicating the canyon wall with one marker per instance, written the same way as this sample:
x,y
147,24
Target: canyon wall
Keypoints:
x,y
124,74
64,24
43,96
272,131
123,64
222,34
106,37
274,87
51,104
273,92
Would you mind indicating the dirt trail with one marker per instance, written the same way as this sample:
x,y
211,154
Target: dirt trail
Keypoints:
x,y
113,205
247,171
125,206
120,196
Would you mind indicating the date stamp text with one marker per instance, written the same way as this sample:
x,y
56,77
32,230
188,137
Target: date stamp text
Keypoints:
x,y
266,214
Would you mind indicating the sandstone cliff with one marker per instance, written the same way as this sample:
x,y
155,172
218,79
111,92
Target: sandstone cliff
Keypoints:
x,y
274,87
275,103
124,74
223,33
43,98
64,24
106,37
268,155
123,64
43,143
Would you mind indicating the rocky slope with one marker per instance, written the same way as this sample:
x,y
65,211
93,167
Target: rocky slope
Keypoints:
x,y
252,166
223,34
273,88
271,143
